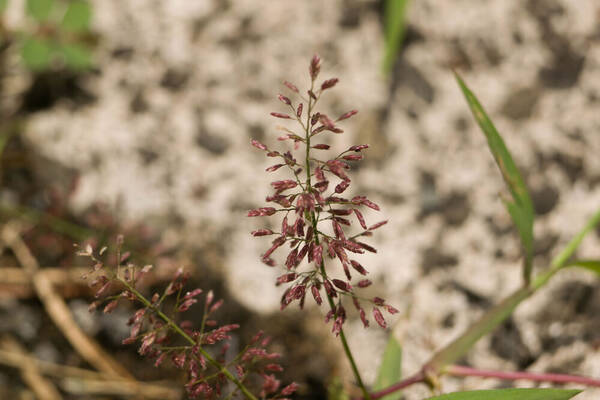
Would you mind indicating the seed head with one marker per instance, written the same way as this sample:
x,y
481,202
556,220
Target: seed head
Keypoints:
x,y
329,83
258,145
314,194
347,115
261,212
291,86
315,67
284,99
379,317
280,115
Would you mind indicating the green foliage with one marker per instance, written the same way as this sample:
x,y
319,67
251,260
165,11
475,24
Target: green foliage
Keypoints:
x,y
561,259
486,324
77,17
390,370
591,265
521,206
395,28
58,34
4,136
511,394
521,210
76,56
39,9
335,390
36,53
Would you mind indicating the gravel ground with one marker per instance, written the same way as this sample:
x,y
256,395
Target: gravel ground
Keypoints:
x,y
182,86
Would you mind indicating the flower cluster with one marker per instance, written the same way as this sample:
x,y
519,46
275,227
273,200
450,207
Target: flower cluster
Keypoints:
x,y
313,199
201,352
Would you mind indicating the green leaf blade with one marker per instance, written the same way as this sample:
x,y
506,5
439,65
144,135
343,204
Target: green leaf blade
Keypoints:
x,y
36,53
39,9
524,224
561,259
507,166
511,394
521,209
335,390
76,57
395,28
590,265
77,17
390,370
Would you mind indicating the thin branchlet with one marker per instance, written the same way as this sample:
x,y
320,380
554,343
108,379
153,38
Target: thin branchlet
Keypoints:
x,y
311,203
317,202
203,356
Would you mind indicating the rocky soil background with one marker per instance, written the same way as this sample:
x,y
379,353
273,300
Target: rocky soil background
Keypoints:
x,y
160,132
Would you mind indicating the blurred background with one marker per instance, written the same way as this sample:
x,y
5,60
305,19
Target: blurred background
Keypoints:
x,y
136,116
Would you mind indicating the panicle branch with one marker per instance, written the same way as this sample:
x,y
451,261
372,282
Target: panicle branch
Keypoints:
x,y
204,352
311,205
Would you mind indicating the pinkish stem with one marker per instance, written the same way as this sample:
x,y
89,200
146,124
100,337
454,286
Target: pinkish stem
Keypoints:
x,y
458,370
417,378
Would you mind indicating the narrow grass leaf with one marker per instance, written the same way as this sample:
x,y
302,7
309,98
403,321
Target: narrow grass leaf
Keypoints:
x,y
390,370
395,28
592,265
524,224
487,323
521,207
561,259
511,394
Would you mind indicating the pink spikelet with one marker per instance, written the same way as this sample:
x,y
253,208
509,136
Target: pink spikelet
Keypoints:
x,y
315,67
291,86
379,317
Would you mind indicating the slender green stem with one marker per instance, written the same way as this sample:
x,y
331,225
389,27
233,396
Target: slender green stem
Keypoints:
x,y
560,260
495,316
314,220
349,356
58,225
189,339
440,362
419,377
204,317
488,322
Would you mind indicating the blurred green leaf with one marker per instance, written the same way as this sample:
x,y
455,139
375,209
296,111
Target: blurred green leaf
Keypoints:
x,y
395,27
58,225
39,9
3,4
36,53
76,56
390,370
335,390
510,394
592,265
4,136
521,207
77,17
